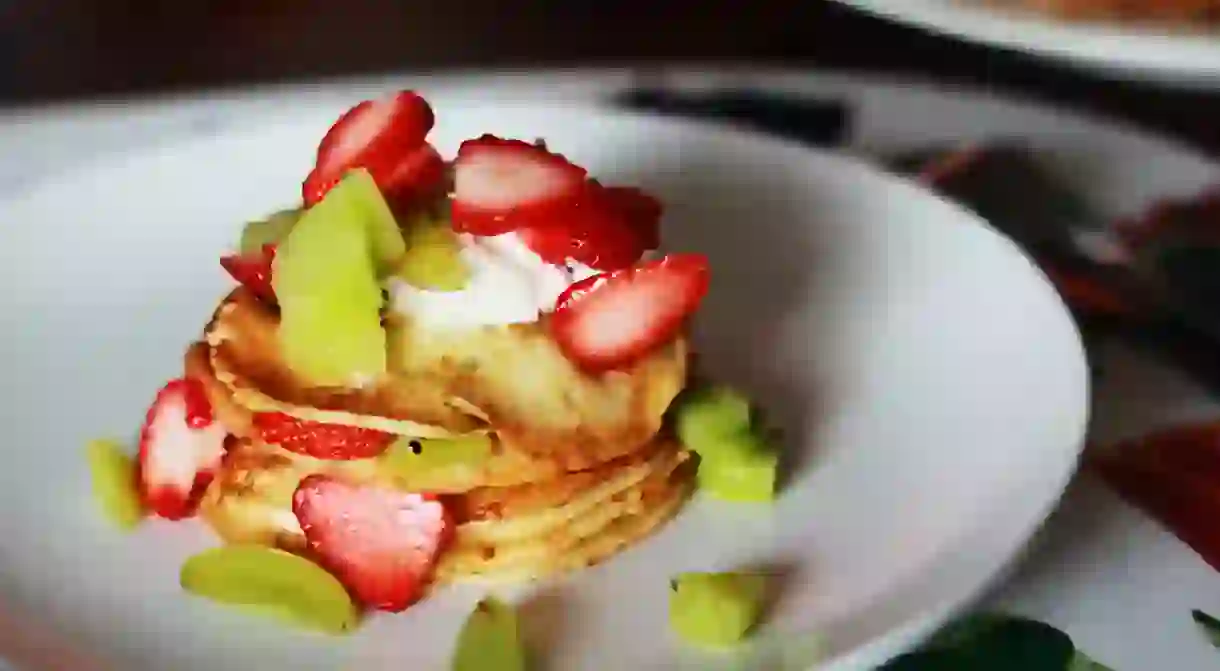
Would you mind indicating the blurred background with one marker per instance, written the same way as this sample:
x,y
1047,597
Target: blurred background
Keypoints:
x,y
54,50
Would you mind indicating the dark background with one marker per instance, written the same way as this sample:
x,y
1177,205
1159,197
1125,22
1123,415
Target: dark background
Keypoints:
x,y
71,49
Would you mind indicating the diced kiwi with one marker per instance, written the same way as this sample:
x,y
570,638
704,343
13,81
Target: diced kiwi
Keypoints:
x,y
272,582
330,300
410,456
743,469
715,609
489,640
359,191
269,231
113,477
433,260
705,416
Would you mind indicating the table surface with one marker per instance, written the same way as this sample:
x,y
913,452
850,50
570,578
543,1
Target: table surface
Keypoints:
x,y
74,49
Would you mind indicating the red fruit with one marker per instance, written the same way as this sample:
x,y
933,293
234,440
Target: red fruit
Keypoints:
x,y
320,440
1173,476
607,228
613,319
253,273
640,210
381,543
502,185
376,135
180,449
418,176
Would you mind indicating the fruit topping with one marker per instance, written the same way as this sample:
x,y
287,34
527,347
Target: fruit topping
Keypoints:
x,y
502,185
715,609
490,640
253,271
180,449
325,277
410,456
358,198
269,231
273,582
705,417
433,260
381,543
597,230
378,135
113,476
736,461
320,440
613,319
743,469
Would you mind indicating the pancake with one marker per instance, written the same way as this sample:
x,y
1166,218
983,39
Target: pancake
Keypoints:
x,y
245,357
497,528
503,467
512,380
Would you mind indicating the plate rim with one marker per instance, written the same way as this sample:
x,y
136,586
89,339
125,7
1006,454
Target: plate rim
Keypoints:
x,y
1121,46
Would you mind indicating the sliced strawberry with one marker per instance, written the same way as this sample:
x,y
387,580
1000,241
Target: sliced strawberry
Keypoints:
x,y
607,228
381,543
502,185
376,135
613,319
640,210
253,273
419,176
180,449
320,440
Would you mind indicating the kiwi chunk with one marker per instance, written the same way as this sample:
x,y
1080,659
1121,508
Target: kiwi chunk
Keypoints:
x,y
325,280
269,231
743,470
410,456
715,610
271,582
705,416
359,191
113,476
433,260
489,640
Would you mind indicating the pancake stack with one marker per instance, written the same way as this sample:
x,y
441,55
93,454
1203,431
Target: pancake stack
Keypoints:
x,y
579,466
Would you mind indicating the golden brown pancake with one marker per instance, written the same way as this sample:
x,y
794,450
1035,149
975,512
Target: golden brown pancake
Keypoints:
x,y
512,380
497,528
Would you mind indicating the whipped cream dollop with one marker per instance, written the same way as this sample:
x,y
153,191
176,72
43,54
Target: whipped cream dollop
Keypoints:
x,y
509,284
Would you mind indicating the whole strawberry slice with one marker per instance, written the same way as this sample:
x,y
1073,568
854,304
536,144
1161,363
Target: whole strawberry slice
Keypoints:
x,y
181,446
614,319
376,135
502,185
381,543
254,273
321,440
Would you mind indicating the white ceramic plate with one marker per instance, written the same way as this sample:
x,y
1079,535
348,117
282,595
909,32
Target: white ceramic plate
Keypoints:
x,y
1173,55
932,387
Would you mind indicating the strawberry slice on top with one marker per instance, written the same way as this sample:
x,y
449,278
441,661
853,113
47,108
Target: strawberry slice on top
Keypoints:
x,y
606,228
378,135
181,446
381,543
501,185
614,319
253,273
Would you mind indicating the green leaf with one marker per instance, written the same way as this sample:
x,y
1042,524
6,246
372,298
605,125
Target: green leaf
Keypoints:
x,y
1210,626
996,643
1081,662
939,659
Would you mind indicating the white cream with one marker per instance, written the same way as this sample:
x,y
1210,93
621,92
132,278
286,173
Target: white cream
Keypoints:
x,y
509,284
